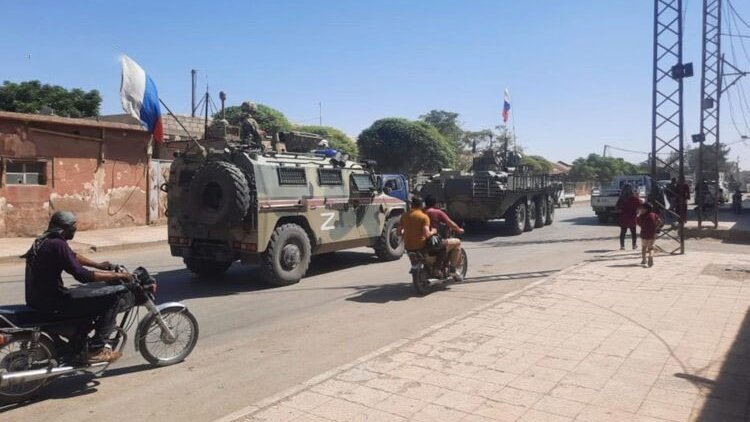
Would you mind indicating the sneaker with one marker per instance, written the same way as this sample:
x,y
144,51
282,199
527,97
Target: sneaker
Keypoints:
x,y
105,354
635,247
650,261
643,261
622,248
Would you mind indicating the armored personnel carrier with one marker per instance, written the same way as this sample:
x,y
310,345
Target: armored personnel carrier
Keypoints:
x,y
496,187
232,202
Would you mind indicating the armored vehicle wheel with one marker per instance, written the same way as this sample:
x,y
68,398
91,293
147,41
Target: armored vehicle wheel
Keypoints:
x,y
541,212
603,218
531,216
390,245
287,257
550,215
219,194
206,267
515,218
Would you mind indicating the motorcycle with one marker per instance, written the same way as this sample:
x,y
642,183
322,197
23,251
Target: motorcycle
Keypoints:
x,y
431,268
37,347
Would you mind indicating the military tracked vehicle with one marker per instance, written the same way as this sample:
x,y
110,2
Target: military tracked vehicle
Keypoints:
x,y
496,187
230,202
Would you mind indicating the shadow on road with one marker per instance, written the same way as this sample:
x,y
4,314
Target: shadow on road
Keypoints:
x,y
394,292
60,389
176,285
587,221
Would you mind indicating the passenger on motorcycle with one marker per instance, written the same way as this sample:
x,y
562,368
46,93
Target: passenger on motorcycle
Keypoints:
x,y
47,258
452,245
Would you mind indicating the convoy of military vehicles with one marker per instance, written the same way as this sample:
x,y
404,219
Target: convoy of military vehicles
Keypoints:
x,y
231,201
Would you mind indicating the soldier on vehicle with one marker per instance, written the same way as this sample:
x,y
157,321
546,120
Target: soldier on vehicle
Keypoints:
x,y
324,149
250,131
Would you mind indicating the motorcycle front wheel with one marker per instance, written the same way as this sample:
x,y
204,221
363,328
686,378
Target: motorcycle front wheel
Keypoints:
x,y
18,356
154,342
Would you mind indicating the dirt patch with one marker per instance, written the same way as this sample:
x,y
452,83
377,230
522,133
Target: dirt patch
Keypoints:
x,y
729,272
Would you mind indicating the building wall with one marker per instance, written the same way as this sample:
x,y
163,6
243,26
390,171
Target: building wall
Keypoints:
x,y
99,173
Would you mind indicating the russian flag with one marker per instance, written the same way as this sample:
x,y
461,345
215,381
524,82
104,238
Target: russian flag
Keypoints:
x,y
140,98
506,106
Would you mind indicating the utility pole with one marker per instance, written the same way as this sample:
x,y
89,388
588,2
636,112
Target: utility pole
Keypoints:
x,y
667,119
194,77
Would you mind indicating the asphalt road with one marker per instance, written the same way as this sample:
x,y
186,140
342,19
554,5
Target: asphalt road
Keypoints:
x,y
256,341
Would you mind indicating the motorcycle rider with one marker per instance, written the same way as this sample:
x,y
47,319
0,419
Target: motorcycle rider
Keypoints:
x,y
452,246
47,258
415,226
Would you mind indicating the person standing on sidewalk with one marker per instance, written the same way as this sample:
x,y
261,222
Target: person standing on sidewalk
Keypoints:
x,y
737,201
649,221
628,205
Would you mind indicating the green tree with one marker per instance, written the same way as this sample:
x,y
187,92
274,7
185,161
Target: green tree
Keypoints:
x,y
270,120
32,96
709,158
403,146
477,140
537,163
336,138
602,169
446,122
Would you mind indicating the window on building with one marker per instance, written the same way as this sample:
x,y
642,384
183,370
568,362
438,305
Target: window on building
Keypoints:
x,y
29,173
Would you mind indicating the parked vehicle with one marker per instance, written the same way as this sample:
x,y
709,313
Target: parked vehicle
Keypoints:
x,y
430,269
565,195
239,203
497,187
604,200
395,185
37,347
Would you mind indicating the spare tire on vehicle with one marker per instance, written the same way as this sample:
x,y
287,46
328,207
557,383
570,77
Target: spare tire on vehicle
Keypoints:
x,y
219,194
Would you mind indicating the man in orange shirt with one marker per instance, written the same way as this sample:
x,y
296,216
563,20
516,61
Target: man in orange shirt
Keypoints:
x,y
415,226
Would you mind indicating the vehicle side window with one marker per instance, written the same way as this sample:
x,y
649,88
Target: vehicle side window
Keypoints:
x,y
362,183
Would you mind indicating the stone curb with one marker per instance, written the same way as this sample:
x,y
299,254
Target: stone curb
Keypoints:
x,y
741,236
276,398
86,248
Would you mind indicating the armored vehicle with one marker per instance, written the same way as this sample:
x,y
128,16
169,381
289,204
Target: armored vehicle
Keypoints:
x,y
275,209
496,187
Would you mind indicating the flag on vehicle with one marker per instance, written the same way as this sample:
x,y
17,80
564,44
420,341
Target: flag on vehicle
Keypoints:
x,y
506,106
140,98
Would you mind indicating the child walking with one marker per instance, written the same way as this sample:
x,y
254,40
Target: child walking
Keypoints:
x,y
649,221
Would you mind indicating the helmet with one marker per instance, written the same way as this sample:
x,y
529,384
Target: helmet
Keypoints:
x,y
323,143
249,107
64,222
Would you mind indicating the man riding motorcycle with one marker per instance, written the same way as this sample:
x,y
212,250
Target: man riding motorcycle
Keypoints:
x,y
437,216
47,258
416,228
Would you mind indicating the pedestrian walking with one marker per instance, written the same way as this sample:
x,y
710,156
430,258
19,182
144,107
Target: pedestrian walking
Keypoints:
x,y
649,221
628,205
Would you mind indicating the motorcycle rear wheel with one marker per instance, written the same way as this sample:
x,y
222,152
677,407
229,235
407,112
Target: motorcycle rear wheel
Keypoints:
x,y
14,358
421,281
156,348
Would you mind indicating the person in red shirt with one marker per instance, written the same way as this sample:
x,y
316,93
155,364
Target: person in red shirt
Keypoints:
x,y
649,222
452,245
628,205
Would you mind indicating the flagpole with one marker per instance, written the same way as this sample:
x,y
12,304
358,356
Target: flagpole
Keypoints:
x,y
181,125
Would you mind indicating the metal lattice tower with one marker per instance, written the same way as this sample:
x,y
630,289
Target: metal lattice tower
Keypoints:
x,y
708,137
667,117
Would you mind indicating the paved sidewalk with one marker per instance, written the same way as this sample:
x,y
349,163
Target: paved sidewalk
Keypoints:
x,y
92,241
606,340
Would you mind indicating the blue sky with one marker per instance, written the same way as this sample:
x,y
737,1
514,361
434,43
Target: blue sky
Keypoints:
x,y
579,71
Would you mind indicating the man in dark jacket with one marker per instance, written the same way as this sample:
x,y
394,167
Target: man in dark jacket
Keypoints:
x,y
47,258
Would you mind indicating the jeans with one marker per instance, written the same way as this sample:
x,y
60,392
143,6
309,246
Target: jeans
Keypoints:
x,y
623,231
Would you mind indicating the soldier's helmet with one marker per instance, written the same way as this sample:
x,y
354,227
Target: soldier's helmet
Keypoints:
x,y
249,107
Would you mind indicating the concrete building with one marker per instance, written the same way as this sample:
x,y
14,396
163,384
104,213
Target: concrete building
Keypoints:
x,y
100,170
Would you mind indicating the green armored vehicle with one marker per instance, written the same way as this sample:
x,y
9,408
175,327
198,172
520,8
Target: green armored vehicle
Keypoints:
x,y
497,187
276,209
